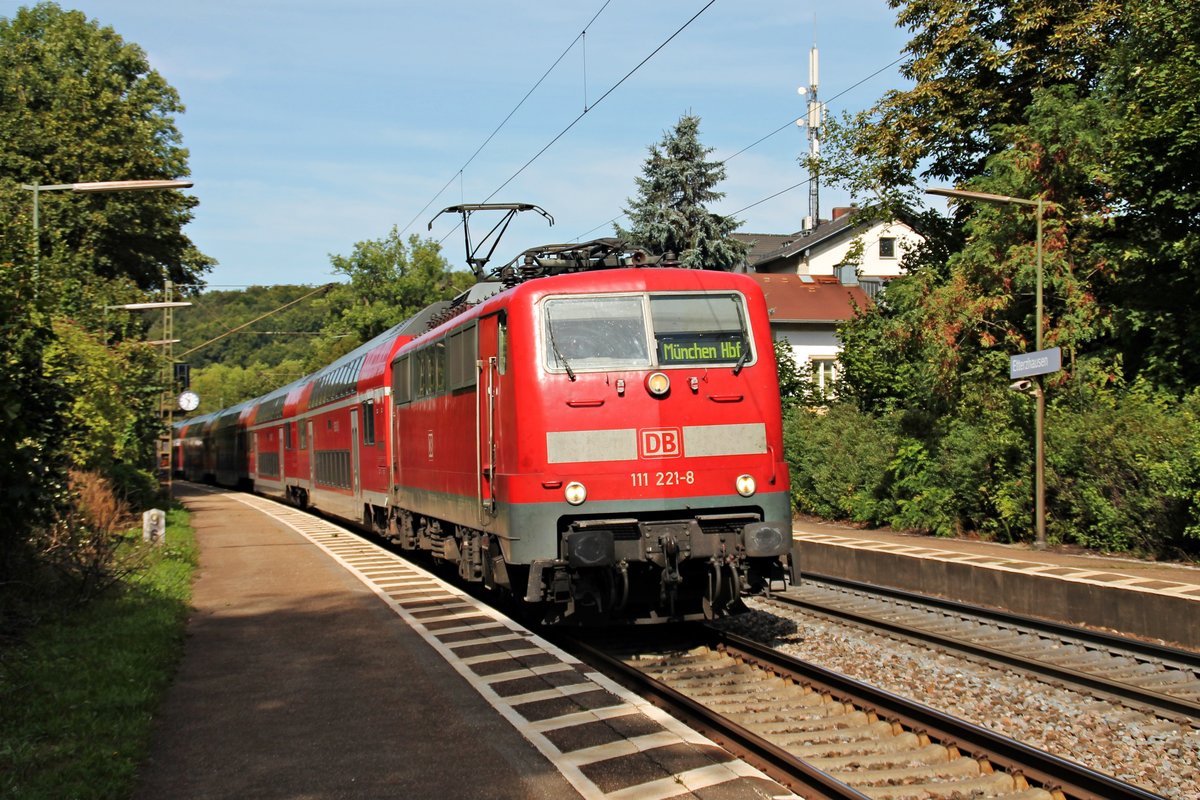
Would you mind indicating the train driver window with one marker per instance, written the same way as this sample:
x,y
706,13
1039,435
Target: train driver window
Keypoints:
x,y
700,328
595,333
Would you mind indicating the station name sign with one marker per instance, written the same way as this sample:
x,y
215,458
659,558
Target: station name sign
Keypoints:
x,y
1039,362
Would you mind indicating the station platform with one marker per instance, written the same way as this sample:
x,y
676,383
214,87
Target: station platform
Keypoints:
x,y
1148,599
318,665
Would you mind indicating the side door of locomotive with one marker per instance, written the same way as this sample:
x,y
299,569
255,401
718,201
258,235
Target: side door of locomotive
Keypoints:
x,y
490,366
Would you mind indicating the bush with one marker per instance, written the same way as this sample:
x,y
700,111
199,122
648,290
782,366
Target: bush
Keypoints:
x,y
1121,470
139,488
81,552
838,457
985,463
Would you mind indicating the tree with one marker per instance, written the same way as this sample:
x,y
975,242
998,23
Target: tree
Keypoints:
x,y
669,214
1091,107
1151,88
975,65
79,104
389,282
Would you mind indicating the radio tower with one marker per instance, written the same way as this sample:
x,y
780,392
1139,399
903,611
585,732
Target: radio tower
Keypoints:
x,y
812,119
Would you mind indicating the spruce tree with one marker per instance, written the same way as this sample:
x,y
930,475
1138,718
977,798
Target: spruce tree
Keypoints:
x,y
669,215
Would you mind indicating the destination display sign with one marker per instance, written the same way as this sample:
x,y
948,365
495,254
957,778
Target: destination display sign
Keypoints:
x,y
1039,362
722,348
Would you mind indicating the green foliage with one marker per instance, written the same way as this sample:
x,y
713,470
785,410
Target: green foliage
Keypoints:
x,y
223,385
110,393
287,335
1090,108
921,500
974,67
390,280
791,380
32,459
79,104
1121,468
78,695
838,456
670,214
1150,90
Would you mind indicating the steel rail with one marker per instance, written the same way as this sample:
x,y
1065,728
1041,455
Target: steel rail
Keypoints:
x,y
1179,709
1138,646
1053,773
776,762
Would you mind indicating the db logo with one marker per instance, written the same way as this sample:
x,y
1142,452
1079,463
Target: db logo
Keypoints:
x,y
660,443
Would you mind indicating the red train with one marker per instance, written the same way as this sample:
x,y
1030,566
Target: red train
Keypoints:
x,y
604,445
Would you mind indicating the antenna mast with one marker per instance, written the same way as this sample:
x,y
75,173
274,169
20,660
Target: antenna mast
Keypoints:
x,y
814,116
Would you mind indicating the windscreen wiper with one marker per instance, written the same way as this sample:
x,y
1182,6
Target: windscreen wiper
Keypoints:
x,y
742,359
558,353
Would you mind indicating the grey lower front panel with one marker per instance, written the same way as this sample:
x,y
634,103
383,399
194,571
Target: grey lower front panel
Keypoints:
x,y
529,531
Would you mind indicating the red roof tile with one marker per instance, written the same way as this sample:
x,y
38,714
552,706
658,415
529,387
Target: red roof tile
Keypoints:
x,y
809,298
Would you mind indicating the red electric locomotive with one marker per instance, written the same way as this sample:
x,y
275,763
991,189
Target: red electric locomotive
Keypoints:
x,y
604,445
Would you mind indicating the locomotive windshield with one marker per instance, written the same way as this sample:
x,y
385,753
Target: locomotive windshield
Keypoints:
x,y
614,332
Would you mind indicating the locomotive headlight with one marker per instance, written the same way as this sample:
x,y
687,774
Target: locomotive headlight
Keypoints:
x,y
575,493
658,384
746,485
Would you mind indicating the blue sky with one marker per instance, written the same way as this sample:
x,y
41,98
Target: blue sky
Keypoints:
x,y
315,125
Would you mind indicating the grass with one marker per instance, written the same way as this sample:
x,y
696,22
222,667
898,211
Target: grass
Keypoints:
x,y
78,695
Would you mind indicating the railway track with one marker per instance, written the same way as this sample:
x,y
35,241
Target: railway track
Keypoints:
x,y
1155,679
829,736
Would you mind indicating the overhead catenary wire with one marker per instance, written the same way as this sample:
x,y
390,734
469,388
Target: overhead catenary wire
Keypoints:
x,y
587,110
521,102
757,142
259,318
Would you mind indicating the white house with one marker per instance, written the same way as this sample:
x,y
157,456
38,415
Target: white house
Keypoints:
x,y
810,287
824,249
805,311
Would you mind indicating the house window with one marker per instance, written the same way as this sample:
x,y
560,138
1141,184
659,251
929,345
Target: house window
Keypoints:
x,y
887,247
823,373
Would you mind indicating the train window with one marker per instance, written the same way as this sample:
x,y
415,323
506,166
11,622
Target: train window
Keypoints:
x,y
460,359
502,345
368,422
595,333
421,365
287,436
699,329
303,426
437,352
401,380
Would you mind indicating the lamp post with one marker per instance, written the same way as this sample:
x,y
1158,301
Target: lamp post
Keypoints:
x,y
1039,424
86,188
